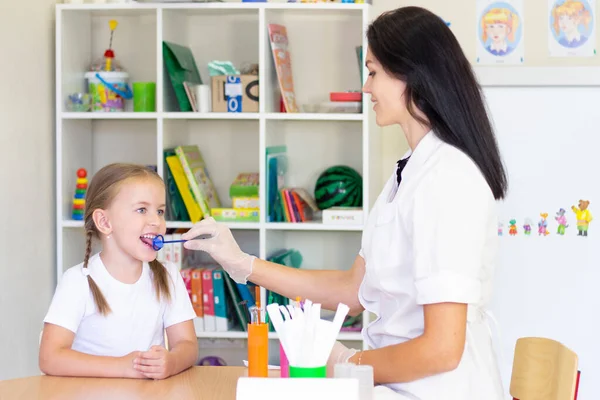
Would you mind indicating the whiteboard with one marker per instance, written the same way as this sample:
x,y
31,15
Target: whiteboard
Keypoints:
x,y
549,286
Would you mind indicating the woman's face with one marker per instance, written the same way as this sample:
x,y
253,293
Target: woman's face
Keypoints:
x,y
567,24
387,93
497,32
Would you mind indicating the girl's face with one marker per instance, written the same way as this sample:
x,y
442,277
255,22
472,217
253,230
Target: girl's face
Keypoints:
x,y
567,24
497,32
136,215
387,93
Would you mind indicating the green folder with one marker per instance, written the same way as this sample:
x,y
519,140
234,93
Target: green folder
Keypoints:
x,y
181,67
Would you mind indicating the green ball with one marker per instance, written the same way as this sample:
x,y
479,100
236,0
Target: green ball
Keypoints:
x,y
339,186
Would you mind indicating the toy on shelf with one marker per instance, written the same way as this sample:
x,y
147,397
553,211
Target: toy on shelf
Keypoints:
x,y
244,191
339,186
79,196
584,217
107,81
244,194
78,102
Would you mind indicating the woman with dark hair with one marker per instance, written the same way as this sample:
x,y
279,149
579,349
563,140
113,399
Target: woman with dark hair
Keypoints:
x,y
428,248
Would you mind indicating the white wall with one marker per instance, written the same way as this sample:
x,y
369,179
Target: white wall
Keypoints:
x,y
26,176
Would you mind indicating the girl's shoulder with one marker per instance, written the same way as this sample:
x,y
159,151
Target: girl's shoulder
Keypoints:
x,y
77,273
75,279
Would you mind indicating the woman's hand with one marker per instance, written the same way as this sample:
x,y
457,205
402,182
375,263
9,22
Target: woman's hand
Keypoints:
x,y
339,354
156,363
221,246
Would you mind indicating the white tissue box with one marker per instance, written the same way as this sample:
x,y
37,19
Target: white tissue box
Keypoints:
x,y
297,388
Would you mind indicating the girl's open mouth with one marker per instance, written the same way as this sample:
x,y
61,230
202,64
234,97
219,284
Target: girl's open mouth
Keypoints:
x,y
147,239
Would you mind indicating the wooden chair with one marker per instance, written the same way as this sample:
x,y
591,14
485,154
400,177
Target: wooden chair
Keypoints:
x,y
544,369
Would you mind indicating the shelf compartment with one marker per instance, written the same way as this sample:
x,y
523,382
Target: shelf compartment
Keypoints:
x,y
224,34
329,144
333,33
331,250
228,148
84,36
92,144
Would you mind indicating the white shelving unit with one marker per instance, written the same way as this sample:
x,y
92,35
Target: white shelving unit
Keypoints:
x,y
322,40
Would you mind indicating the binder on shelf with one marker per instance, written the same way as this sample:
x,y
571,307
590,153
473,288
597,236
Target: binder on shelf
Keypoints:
x,y
196,297
221,320
208,300
181,67
183,185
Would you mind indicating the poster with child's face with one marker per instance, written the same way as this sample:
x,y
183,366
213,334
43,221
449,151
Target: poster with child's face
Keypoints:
x,y
571,28
500,32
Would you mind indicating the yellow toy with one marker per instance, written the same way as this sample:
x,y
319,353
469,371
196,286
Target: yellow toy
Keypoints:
x,y
584,217
109,54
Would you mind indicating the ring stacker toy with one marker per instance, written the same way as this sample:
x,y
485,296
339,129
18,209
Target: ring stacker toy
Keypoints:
x,y
159,241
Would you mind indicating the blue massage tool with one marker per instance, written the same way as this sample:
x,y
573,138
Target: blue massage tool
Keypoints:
x,y
159,241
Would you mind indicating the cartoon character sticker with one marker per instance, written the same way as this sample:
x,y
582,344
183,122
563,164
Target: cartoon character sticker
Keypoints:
x,y
561,219
527,227
543,225
571,28
499,32
512,228
584,217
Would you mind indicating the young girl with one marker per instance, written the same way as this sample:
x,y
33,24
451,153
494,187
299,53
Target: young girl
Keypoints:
x,y
109,313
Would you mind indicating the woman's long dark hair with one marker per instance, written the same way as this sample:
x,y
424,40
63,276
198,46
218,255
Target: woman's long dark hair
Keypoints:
x,y
416,46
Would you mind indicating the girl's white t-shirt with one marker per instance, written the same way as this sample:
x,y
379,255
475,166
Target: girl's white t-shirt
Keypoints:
x,y
137,320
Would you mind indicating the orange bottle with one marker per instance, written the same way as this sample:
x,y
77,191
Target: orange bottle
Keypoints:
x,y
258,350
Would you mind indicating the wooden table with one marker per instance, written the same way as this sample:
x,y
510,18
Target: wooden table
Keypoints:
x,y
204,383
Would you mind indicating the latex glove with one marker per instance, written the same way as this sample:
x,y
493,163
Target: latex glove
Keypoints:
x,y
221,246
339,354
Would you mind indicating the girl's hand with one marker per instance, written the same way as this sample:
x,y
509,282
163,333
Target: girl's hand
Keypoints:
x,y
156,363
128,366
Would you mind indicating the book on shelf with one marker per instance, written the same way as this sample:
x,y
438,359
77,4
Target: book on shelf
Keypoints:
x,y
184,188
176,208
278,39
198,177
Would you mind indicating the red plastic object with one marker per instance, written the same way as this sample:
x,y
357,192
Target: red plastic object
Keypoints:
x,y
282,105
345,96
